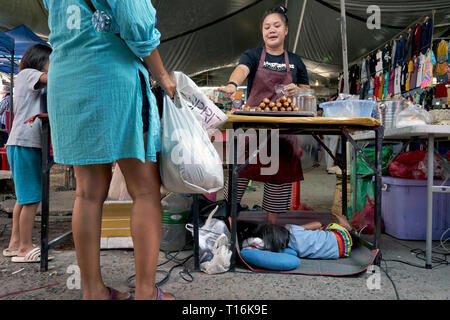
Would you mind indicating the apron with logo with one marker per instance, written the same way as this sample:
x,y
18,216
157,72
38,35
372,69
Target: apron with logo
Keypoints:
x,y
290,167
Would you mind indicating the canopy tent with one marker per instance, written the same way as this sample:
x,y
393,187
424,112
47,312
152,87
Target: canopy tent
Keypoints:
x,y
208,36
13,45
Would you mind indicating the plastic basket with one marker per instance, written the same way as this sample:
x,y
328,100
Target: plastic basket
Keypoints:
x,y
348,108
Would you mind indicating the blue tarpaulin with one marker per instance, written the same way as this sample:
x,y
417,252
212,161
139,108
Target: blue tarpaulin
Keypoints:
x,y
16,40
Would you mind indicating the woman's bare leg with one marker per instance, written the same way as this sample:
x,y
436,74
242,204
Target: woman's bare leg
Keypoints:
x,y
92,189
14,241
26,224
143,183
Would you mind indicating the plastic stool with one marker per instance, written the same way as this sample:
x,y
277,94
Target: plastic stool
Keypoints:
x,y
5,164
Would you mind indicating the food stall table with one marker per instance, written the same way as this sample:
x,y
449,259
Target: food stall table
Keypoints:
x,y
296,125
429,133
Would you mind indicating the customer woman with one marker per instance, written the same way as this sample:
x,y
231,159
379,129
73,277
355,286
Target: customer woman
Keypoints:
x,y
265,68
98,96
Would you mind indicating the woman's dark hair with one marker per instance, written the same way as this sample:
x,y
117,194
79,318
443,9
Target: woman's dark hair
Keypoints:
x,y
276,238
281,10
35,57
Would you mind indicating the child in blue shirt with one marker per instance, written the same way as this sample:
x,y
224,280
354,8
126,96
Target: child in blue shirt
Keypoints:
x,y
312,240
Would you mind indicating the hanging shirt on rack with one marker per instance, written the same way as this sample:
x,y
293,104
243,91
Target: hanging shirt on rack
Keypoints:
x,y
394,51
420,70
400,52
403,77
408,79
386,84
427,72
391,84
426,35
413,81
380,89
441,58
409,45
398,76
417,35
364,73
379,65
387,58
377,86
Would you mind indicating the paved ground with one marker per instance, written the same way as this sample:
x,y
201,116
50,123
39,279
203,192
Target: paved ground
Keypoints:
x,y
317,192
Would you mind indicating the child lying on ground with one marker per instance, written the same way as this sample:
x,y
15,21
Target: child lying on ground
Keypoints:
x,y
311,240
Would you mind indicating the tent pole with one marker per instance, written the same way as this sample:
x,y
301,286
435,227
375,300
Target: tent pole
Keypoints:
x,y
344,46
299,26
11,90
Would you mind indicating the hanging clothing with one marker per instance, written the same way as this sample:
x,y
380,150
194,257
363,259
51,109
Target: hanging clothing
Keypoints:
x,y
354,73
397,81
400,51
413,81
376,86
391,84
409,45
410,71
420,70
387,59
379,65
426,35
393,53
417,35
403,77
380,89
427,72
441,58
386,84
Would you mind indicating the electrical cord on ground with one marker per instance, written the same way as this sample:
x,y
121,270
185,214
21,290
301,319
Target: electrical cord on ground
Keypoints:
x,y
389,277
185,274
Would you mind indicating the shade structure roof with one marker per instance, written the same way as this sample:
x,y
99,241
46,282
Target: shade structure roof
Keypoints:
x,y
208,36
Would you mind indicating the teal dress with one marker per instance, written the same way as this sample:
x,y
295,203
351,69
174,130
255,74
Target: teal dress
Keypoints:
x,y
95,96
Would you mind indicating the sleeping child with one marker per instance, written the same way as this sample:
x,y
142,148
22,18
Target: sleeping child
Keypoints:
x,y
311,240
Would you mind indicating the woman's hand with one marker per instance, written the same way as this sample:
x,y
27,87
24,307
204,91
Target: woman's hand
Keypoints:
x,y
230,90
292,89
169,85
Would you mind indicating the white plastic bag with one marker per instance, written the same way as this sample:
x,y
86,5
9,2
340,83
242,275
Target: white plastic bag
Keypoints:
x,y
189,161
413,115
206,111
118,187
214,245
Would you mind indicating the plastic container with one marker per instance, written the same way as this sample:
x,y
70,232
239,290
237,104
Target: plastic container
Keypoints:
x,y
175,209
348,108
306,101
404,209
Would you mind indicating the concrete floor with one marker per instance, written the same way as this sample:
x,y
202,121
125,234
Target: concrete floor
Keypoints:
x,y
415,283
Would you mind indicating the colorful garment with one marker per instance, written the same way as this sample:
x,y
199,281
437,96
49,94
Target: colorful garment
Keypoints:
x,y
343,238
427,72
410,71
420,70
380,89
386,84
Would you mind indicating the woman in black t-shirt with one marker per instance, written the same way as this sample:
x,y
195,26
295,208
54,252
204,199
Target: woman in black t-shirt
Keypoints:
x,y
265,68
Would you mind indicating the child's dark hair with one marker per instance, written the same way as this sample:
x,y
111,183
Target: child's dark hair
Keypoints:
x,y
35,57
281,10
276,238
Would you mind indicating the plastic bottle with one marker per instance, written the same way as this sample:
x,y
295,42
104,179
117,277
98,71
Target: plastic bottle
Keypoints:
x,y
175,208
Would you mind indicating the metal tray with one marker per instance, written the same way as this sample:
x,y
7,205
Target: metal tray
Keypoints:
x,y
275,113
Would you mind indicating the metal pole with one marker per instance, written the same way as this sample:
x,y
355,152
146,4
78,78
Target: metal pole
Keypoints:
x,y
299,25
429,236
11,90
344,46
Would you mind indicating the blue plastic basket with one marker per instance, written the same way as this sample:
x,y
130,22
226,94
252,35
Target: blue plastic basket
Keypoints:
x,y
348,108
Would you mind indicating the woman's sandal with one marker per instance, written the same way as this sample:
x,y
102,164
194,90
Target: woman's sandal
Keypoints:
x,y
113,294
159,293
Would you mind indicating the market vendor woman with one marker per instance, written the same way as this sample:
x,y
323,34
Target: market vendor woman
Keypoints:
x,y
265,68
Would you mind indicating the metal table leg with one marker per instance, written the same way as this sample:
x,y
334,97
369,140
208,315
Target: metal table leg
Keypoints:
x,y
196,218
232,194
379,132
430,176
344,176
45,133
